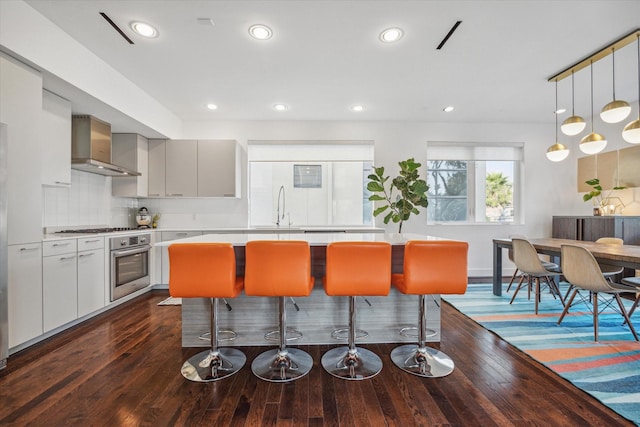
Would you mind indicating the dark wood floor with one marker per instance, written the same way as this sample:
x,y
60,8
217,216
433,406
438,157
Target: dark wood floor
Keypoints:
x,y
123,368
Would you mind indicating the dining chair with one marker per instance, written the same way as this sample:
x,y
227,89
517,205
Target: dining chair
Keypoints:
x,y
610,270
581,269
552,266
526,259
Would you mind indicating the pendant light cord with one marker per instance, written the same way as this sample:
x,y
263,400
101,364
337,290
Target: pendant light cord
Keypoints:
x,y
591,68
555,113
613,80
573,96
638,38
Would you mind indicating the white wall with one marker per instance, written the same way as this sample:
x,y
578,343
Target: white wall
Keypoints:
x,y
87,202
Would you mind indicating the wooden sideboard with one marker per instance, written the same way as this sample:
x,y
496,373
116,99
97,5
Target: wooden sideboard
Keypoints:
x,y
591,228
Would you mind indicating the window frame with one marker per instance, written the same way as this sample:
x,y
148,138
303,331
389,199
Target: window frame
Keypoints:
x,y
476,154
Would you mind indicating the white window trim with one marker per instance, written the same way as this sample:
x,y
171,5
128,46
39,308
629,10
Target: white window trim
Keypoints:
x,y
478,151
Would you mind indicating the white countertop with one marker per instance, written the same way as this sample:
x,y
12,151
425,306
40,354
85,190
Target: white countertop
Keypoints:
x,y
314,239
267,230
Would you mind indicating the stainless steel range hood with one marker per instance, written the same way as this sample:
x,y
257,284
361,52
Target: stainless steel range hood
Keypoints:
x,y
91,148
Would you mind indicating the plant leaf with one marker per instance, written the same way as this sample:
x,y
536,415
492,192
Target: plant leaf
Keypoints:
x,y
379,210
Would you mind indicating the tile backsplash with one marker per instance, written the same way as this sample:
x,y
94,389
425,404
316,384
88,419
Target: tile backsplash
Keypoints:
x,y
87,201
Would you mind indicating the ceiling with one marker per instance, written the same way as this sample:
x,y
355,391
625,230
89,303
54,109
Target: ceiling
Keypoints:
x,y
325,56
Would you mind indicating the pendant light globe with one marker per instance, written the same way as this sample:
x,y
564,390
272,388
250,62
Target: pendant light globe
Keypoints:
x,y
616,110
557,152
593,143
573,125
631,132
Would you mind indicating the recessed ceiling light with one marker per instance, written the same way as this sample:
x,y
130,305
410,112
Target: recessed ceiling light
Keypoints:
x,y
145,30
212,106
448,109
260,32
357,108
280,107
560,110
391,35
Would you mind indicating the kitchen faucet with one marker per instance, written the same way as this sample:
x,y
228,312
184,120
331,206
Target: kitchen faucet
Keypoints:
x,y
281,191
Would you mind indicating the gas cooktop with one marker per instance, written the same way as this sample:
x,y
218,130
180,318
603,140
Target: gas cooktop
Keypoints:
x,y
97,230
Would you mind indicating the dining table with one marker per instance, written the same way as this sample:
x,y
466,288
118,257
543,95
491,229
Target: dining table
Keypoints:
x,y
627,256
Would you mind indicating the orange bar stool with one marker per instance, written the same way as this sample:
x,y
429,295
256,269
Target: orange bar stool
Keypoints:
x,y
279,268
356,269
207,270
430,267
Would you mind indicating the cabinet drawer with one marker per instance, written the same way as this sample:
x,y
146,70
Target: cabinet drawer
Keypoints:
x,y
88,243
173,235
58,247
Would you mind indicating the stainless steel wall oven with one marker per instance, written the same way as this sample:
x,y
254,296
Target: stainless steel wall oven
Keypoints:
x,y
129,264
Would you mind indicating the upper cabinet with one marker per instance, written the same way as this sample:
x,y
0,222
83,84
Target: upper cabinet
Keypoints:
x,y
181,168
218,168
56,140
21,111
131,151
194,168
157,156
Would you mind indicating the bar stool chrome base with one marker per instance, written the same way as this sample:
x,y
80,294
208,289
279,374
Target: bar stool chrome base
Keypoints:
x,y
407,332
208,366
423,362
230,335
356,364
343,334
291,335
281,367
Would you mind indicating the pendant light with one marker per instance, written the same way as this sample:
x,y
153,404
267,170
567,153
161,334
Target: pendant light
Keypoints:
x,y
594,142
575,124
617,110
557,152
631,132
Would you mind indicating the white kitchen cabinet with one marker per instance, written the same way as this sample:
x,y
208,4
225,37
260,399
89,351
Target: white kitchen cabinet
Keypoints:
x,y
91,275
55,140
218,168
59,283
131,151
21,110
172,235
181,178
24,292
157,159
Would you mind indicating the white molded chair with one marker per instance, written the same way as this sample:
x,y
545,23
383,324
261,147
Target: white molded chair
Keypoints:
x,y
581,269
527,260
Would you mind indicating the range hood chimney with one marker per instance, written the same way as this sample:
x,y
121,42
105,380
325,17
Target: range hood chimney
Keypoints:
x,y
91,148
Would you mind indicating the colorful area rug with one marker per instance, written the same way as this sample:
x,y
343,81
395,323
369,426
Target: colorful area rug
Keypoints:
x,y
608,370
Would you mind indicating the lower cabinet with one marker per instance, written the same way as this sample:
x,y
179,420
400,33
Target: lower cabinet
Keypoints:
x,y
172,235
24,292
59,284
91,284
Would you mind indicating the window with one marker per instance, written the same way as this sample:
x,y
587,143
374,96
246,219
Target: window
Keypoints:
x,y
310,182
473,183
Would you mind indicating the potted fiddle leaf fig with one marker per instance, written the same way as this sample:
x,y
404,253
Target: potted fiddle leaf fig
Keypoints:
x,y
411,192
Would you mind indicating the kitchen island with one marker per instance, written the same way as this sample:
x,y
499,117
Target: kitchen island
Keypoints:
x,y
319,314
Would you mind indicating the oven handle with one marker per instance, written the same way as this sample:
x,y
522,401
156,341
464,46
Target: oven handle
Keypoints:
x,y
134,251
